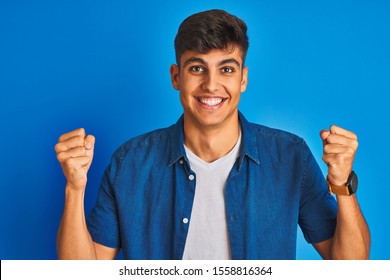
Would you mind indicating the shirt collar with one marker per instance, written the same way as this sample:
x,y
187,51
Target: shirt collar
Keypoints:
x,y
248,141
177,141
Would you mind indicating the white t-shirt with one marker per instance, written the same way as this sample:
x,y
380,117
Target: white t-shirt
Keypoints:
x,y
208,237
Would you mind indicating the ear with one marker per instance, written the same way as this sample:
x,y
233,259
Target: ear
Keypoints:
x,y
175,77
244,79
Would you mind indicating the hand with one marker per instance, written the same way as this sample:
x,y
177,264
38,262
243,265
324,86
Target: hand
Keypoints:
x,y
340,147
75,153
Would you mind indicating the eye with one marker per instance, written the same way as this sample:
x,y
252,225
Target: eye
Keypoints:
x,y
227,70
197,69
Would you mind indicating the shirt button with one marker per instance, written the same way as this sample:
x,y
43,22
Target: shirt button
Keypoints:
x,y
181,161
185,220
191,177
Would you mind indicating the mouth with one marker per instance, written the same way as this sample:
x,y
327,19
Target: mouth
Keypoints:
x,y
211,102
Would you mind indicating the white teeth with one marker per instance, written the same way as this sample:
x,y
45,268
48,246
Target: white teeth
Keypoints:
x,y
211,101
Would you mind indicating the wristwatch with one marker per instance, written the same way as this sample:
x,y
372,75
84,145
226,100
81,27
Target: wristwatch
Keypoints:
x,y
349,188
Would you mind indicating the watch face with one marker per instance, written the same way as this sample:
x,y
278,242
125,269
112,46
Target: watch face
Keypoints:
x,y
352,183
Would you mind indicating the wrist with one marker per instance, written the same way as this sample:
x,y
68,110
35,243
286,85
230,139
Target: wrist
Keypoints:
x,y
71,189
348,187
337,182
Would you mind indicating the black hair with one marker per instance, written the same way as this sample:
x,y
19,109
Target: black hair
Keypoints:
x,y
208,30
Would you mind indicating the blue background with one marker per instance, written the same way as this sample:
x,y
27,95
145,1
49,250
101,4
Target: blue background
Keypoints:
x,y
104,65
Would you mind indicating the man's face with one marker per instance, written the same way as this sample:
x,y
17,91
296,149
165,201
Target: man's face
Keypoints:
x,y
210,86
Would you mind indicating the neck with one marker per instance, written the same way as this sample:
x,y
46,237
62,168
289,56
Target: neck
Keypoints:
x,y
211,142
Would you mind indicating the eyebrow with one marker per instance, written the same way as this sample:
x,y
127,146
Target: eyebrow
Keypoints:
x,y
228,61
194,59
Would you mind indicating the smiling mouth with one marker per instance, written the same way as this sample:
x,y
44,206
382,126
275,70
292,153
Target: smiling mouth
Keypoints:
x,y
212,101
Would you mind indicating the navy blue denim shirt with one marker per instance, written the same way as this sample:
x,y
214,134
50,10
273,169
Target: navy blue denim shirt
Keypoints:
x,y
146,195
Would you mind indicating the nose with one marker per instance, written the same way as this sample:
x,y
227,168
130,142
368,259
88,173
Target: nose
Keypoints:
x,y
210,82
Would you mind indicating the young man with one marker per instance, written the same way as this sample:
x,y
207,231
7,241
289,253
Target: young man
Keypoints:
x,y
212,186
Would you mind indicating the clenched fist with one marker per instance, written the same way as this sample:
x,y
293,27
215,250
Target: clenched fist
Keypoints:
x,y
75,153
340,147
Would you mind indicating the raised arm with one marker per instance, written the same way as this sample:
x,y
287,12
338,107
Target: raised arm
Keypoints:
x,y
75,152
352,237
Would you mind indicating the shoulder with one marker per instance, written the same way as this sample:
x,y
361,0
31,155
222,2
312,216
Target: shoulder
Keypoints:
x,y
150,141
264,143
274,134
268,136
140,153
